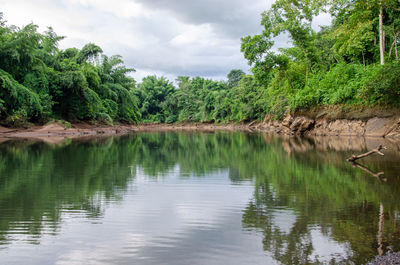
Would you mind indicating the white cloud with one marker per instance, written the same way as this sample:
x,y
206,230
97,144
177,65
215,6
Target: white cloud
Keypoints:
x,y
194,35
121,8
174,38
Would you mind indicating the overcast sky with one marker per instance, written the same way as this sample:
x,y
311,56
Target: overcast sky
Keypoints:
x,y
162,37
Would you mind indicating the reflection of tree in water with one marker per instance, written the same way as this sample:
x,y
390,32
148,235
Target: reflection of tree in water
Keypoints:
x,y
359,228
294,247
342,204
377,175
39,183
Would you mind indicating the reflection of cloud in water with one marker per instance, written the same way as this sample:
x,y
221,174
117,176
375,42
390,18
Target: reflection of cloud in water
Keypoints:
x,y
325,248
284,220
103,251
182,203
176,223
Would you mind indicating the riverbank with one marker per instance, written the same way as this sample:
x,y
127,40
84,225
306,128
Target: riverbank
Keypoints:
x,y
59,129
85,129
388,127
384,126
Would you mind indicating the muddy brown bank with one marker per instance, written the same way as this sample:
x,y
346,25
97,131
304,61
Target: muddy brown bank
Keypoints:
x,y
387,127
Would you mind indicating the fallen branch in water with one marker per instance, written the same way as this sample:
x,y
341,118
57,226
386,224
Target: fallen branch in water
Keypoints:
x,y
377,150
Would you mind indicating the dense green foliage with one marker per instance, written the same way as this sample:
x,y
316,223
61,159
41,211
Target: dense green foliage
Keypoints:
x,y
200,100
337,65
39,81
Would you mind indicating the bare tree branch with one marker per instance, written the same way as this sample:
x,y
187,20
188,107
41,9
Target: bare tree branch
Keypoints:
x,y
377,150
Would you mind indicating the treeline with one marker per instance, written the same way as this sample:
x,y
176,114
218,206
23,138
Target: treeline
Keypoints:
x,y
353,62
344,64
200,100
39,81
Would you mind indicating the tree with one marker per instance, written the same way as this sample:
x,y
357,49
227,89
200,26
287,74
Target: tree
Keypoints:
x,y
234,77
39,81
362,21
381,34
155,91
89,53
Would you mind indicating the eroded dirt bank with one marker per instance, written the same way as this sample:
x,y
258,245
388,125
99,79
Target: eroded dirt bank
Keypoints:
x,y
387,127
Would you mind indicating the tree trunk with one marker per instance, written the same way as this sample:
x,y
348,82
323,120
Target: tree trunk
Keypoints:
x,y
381,35
362,52
394,43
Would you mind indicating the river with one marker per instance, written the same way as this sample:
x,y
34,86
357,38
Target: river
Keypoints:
x,y
197,198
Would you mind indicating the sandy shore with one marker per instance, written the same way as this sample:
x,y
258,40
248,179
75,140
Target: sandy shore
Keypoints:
x,y
82,129
58,130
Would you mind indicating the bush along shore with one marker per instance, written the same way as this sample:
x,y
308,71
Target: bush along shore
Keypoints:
x,y
342,79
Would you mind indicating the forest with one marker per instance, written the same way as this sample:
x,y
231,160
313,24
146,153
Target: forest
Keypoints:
x,y
352,63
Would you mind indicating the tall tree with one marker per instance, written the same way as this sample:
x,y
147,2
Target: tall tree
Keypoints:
x,y
381,34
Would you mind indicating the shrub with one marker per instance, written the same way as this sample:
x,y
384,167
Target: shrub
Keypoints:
x,y
383,88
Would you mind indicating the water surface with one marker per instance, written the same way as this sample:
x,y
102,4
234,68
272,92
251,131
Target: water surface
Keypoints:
x,y
197,198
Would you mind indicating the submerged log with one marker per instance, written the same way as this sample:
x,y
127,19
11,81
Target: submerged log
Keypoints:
x,y
377,150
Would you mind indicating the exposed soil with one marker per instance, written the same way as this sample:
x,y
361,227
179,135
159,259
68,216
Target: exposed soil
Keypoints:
x,y
58,130
199,127
386,127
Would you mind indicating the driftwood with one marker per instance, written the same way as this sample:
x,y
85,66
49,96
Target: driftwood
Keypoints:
x,y
377,175
250,125
377,150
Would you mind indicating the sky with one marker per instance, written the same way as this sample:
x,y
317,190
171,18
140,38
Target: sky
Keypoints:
x,y
156,37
